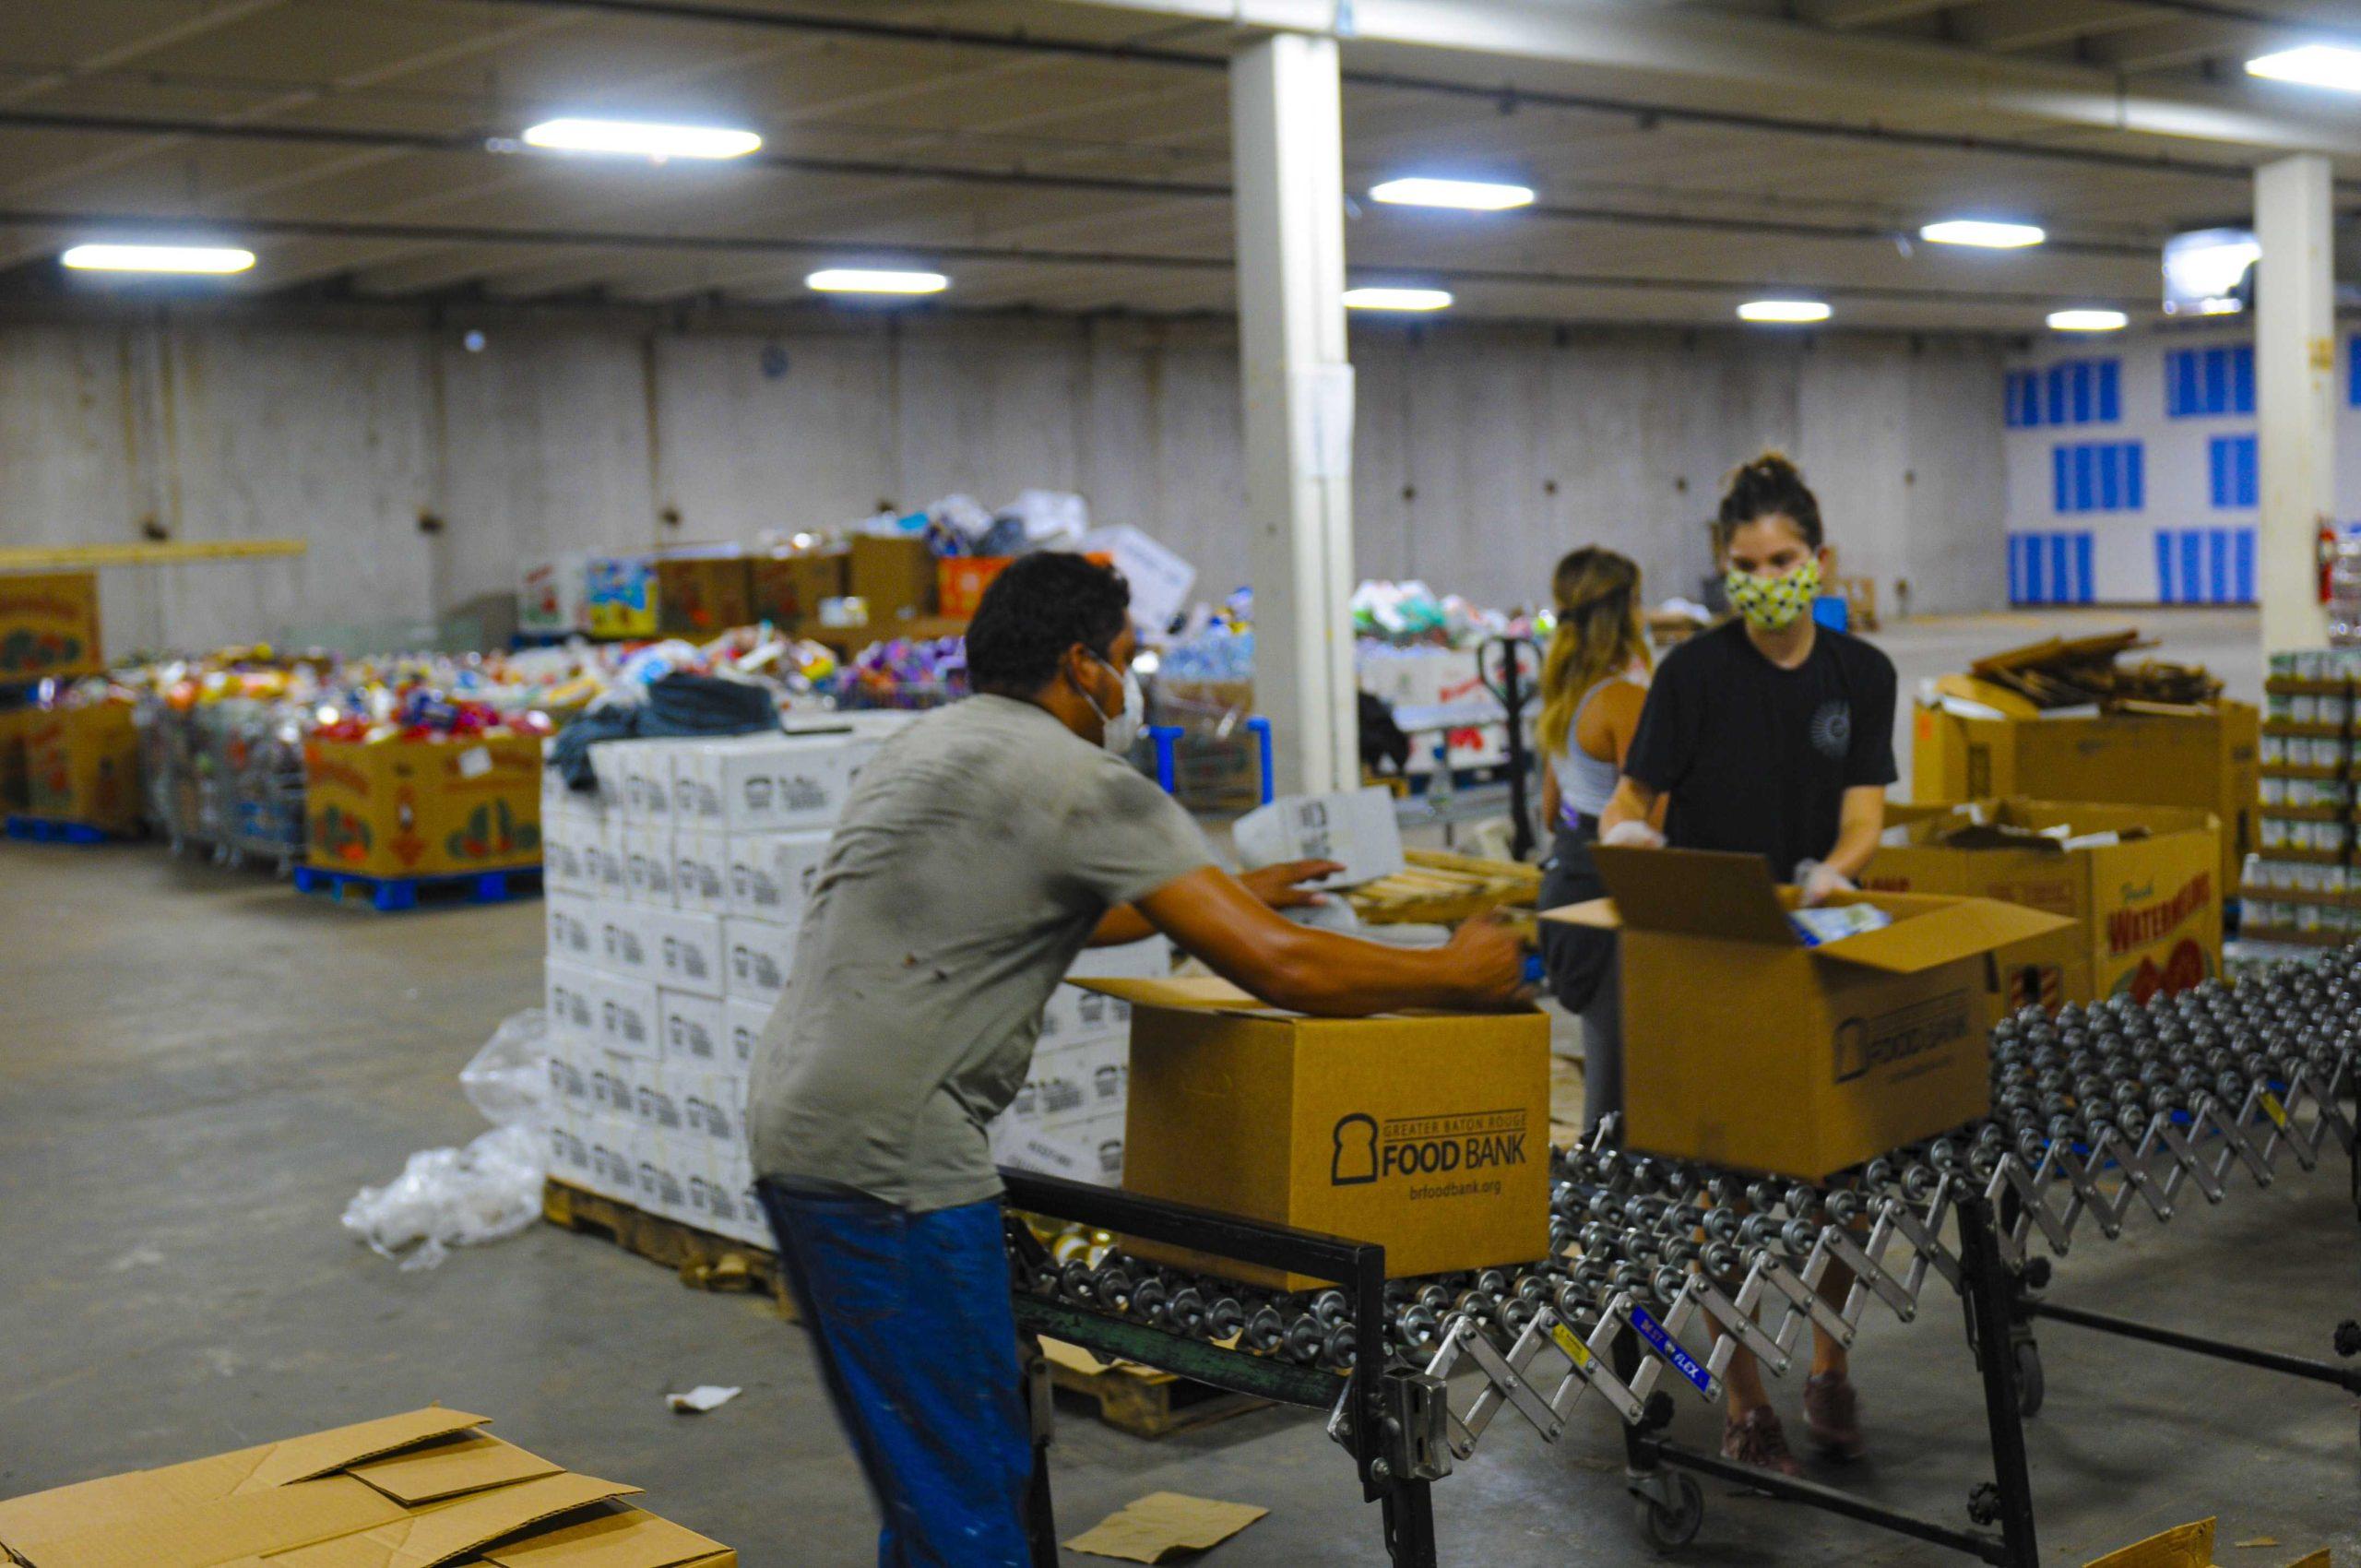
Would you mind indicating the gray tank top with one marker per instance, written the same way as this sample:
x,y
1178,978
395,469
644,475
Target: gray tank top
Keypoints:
x,y
1584,782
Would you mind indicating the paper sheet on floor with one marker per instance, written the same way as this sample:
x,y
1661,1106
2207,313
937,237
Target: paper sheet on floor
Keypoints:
x,y
1164,1523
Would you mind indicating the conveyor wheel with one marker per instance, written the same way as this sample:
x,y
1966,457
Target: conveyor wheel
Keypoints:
x,y
1669,1527
2030,1388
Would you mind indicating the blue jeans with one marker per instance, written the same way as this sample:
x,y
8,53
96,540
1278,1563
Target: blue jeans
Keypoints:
x,y
909,1315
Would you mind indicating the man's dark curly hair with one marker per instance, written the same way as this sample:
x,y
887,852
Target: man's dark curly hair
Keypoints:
x,y
1040,606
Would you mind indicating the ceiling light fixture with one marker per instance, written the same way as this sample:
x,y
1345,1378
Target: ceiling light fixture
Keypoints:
x,y
1783,311
1397,299
1986,232
157,258
1471,195
2088,321
640,139
870,281
2311,64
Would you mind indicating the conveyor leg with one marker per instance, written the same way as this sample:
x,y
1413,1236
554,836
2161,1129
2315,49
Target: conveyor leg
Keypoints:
x,y
1040,1514
1988,1299
1410,1524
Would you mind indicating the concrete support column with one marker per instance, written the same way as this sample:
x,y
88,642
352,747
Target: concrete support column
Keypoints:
x,y
2294,391
1286,135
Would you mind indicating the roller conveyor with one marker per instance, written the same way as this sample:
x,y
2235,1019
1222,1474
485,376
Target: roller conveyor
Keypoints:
x,y
2101,1117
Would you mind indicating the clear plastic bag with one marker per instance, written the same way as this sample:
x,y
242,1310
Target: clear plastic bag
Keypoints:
x,y
462,1197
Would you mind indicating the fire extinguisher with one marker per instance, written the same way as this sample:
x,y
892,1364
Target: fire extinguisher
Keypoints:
x,y
2324,549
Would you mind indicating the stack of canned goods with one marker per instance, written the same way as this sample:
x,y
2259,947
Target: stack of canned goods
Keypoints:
x,y
2302,885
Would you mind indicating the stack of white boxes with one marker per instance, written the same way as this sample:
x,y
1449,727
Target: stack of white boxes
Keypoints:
x,y
1068,1119
673,897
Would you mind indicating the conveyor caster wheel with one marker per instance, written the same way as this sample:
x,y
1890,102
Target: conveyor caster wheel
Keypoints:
x,y
1668,1528
2030,1388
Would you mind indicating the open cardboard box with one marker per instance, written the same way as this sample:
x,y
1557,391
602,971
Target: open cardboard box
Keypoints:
x,y
1427,1132
1746,1048
414,1491
2147,909
2185,1546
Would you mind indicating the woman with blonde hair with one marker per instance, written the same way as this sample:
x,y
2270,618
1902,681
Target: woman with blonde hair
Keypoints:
x,y
1593,687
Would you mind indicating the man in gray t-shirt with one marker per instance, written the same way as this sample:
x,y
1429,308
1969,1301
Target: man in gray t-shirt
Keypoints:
x,y
982,849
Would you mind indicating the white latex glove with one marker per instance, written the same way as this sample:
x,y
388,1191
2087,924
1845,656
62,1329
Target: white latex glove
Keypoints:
x,y
1632,834
1818,882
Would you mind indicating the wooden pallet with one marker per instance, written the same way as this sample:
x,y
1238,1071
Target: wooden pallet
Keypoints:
x,y
1439,888
1141,1401
56,830
388,893
703,1260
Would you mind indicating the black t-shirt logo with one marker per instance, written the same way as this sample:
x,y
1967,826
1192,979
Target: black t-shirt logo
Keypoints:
x,y
1832,728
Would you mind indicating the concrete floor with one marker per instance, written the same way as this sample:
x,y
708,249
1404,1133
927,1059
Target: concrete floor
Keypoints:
x,y
202,1067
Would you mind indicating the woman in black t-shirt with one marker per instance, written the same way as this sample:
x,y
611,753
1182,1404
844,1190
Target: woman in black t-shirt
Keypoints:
x,y
1773,735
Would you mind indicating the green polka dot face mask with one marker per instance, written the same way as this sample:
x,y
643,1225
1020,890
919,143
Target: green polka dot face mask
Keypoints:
x,y
1774,603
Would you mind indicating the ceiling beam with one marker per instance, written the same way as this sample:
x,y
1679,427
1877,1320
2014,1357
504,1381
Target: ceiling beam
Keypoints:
x,y
2169,46
1848,71
1866,13
2008,26
210,20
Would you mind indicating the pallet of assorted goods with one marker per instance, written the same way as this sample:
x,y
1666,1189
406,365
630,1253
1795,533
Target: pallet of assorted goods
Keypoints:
x,y
2300,884
411,1491
2064,721
81,767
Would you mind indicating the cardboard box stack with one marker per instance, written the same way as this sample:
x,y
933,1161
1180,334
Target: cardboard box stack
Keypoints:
x,y
674,895
82,765
404,1491
2300,884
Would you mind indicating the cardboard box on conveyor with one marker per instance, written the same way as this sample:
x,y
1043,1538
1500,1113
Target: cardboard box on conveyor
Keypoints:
x,y
416,1490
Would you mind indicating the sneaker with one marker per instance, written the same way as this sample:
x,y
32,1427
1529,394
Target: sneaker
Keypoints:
x,y
1833,1415
1757,1439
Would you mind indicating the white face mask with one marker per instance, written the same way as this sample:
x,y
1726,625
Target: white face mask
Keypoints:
x,y
1120,729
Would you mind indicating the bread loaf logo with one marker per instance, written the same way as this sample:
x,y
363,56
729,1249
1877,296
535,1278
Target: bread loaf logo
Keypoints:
x,y
1893,1038
1364,1150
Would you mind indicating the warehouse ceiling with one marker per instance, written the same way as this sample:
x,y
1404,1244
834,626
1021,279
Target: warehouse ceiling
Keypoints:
x,y
1075,157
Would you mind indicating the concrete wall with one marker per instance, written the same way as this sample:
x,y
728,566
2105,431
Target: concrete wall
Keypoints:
x,y
1483,452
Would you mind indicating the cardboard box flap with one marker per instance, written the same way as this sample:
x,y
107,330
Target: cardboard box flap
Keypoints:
x,y
1696,893
465,1526
452,1469
322,1452
628,1538
227,1529
1201,993
1939,931
1600,914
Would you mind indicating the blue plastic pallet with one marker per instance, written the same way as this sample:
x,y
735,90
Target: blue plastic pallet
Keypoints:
x,y
55,830
388,893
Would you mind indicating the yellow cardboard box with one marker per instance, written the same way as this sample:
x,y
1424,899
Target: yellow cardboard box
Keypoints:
x,y
789,589
423,808
702,596
82,765
2147,909
405,1491
1427,1133
2209,761
1745,1048
618,596
48,625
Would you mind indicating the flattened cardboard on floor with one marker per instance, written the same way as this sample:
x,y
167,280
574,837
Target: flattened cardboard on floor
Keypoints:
x,y
1745,1048
1428,1133
421,1490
